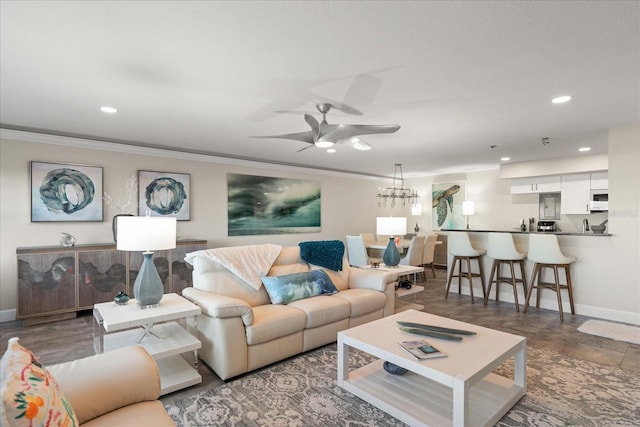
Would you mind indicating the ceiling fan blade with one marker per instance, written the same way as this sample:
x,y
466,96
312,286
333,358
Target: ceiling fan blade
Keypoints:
x,y
307,136
347,131
315,126
305,148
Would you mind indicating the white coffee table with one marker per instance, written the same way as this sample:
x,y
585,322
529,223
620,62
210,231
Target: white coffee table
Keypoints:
x,y
457,390
159,331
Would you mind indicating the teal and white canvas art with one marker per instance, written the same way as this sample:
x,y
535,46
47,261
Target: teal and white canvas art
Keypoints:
x,y
164,194
447,198
63,192
270,205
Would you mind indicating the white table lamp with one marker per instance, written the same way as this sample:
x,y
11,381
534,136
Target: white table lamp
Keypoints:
x,y
391,226
468,209
147,234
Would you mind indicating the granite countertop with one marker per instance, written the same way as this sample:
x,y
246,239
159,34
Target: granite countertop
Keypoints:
x,y
514,231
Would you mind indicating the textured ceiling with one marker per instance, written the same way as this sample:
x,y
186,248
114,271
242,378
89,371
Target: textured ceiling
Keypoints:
x,y
458,77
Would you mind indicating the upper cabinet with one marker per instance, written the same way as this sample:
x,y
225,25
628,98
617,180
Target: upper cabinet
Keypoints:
x,y
576,192
600,180
537,184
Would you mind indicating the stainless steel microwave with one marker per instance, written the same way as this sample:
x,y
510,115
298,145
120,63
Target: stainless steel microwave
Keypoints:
x,y
599,202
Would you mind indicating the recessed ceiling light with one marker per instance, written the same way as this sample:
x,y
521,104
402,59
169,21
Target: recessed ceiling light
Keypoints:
x,y
505,159
561,99
331,150
583,149
109,110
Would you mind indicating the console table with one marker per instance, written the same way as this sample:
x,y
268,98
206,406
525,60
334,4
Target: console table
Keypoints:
x,y
54,282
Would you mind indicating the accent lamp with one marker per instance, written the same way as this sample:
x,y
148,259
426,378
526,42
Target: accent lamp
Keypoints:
x,y
468,209
391,226
146,233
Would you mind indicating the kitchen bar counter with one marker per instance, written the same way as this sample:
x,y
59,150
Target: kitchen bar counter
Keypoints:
x,y
514,231
590,273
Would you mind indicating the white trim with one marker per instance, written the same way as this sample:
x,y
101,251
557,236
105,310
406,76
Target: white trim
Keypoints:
x,y
123,147
552,304
7,315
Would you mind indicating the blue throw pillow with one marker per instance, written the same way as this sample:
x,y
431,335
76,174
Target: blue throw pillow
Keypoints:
x,y
291,287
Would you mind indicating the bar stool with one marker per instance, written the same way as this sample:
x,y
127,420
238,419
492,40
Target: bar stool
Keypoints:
x,y
503,251
545,251
460,247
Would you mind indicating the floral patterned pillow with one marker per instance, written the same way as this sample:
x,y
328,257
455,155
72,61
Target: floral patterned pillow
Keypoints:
x,y
30,395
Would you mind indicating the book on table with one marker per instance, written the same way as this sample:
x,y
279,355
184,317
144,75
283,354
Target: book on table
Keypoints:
x,y
421,349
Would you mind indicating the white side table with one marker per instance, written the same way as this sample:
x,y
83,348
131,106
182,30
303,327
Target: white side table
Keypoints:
x,y
160,330
402,270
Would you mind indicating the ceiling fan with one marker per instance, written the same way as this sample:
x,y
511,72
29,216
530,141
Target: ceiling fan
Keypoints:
x,y
325,135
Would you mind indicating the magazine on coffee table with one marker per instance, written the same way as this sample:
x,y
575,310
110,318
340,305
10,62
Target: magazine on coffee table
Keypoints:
x,y
421,349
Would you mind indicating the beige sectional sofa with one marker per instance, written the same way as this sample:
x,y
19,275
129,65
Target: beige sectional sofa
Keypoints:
x,y
241,330
118,388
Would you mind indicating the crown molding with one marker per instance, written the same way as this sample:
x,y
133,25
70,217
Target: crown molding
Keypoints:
x,y
122,147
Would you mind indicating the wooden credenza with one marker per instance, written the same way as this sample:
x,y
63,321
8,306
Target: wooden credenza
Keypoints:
x,y
55,282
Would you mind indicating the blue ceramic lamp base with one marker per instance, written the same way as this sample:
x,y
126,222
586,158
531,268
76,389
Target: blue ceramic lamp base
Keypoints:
x,y
148,288
391,256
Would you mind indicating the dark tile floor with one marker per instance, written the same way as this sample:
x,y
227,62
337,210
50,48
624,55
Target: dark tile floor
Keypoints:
x,y
542,328
66,340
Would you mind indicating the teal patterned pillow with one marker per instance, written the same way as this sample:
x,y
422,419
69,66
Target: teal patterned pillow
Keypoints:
x,y
291,287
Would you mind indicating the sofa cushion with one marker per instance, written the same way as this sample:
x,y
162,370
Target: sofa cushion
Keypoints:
x,y
291,287
30,394
274,321
323,310
339,278
363,301
211,276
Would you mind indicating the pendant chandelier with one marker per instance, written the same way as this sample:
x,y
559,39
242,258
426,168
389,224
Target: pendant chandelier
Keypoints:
x,y
390,194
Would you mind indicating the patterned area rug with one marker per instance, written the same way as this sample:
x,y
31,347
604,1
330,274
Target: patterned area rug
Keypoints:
x,y
302,391
616,331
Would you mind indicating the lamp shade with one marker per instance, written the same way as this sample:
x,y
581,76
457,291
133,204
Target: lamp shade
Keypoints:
x,y
143,233
391,226
468,208
416,209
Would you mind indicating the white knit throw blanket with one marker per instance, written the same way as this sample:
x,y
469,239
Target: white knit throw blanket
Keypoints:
x,y
249,262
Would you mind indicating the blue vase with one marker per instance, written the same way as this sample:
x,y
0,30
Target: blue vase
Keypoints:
x,y
391,255
148,288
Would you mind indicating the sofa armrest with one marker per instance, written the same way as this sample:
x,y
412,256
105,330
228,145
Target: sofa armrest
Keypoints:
x,y
370,279
105,382
221,306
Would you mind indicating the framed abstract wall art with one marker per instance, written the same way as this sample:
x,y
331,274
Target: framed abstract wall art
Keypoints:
x,y
164,194
447,198
268,205
65,192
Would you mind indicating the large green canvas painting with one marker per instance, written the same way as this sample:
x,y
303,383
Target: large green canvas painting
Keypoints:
x,y
269,205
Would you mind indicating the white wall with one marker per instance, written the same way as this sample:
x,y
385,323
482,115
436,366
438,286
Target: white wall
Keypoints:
x,y
349,205
606,276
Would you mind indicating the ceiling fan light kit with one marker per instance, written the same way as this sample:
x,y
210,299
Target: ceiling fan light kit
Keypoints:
x,y
402,193
324,144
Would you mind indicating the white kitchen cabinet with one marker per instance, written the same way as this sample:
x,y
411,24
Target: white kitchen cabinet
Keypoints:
x,y
600,180
575,194
536,184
